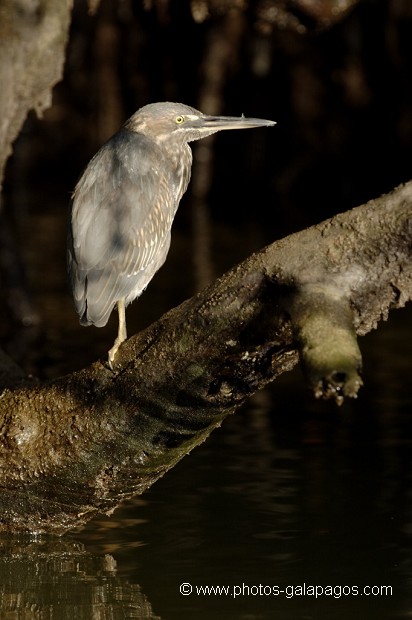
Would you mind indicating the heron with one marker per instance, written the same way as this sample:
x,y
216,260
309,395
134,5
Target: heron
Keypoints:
x,y
123,206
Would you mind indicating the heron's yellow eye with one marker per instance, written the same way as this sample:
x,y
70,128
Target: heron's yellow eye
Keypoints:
x,y
180,119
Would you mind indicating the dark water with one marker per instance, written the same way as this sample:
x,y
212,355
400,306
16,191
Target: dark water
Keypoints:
x,y
289,493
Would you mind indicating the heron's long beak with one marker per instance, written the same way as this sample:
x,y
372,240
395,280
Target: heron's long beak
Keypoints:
x,y
233,122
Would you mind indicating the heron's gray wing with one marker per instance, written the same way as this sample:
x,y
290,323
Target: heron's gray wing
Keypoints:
x,y
122,212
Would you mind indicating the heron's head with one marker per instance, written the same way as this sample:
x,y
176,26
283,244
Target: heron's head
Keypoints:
x,y
179,123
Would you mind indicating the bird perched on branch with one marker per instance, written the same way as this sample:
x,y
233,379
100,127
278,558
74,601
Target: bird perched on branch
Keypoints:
x,y
123,207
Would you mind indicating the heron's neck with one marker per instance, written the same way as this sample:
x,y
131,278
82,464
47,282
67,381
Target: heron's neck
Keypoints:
x,y
182,167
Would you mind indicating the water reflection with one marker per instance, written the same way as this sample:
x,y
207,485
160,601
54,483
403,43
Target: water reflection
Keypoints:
x,y
51,578
288,492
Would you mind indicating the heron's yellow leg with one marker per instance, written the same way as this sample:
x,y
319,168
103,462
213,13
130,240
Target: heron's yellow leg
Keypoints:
x,y
122,332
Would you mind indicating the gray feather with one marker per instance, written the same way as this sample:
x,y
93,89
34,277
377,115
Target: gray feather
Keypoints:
x,y
117,239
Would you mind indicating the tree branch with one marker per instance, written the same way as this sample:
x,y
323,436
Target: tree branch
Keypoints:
x,y
33,37
78,445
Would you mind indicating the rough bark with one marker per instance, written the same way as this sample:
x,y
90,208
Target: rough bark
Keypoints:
x,y
80,444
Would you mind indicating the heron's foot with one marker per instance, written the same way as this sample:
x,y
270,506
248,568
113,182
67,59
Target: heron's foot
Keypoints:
x,y
113,351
